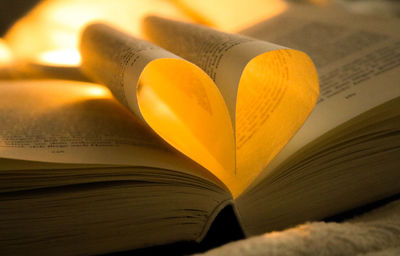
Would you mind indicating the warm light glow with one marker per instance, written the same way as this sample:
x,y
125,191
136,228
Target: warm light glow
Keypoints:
x,y
76,91
52,94
231,15
66,57
183,105
5,53
56,24
320,2
98,92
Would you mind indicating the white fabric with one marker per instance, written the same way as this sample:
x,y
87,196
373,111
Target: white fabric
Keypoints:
x,y
376,233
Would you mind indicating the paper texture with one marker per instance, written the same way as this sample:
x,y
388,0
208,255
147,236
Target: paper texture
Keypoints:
x,y
81,123
357,60
174,97
259,81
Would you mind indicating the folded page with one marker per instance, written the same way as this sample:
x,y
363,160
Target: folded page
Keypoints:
x,y
173,96
269,89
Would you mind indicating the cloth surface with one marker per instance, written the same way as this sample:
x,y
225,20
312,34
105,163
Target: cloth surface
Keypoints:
x,y
375,233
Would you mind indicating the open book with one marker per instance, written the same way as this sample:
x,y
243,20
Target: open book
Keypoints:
x,y
91,173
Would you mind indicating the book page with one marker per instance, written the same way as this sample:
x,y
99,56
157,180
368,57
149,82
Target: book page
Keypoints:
x,y
174,97
56,121
259,81
67,122
358,61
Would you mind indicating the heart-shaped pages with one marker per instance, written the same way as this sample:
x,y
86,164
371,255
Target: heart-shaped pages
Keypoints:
x,y
234,127
269,90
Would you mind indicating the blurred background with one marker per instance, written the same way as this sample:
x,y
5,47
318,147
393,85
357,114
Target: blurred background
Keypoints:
x,y
47,31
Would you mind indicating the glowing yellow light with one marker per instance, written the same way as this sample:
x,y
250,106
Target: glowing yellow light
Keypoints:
x,y
231,15
62,57
5,53
75,92
53,24
98,92
50,95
